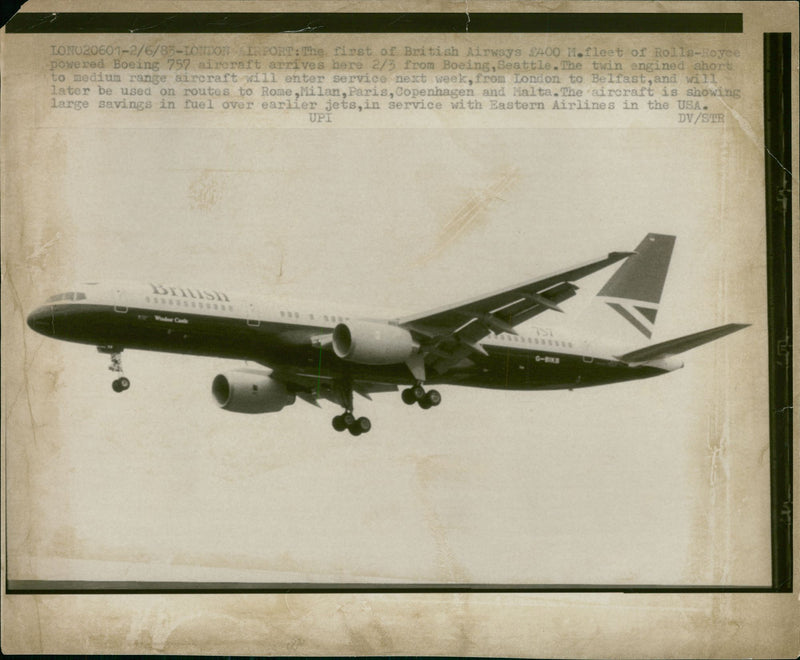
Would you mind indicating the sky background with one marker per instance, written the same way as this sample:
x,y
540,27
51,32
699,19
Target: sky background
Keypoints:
x,y
616,484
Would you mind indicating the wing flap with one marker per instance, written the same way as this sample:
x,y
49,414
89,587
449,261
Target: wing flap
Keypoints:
x,y
312,387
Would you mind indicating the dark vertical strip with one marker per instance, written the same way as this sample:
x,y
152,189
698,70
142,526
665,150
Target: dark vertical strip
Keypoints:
x,y
778,157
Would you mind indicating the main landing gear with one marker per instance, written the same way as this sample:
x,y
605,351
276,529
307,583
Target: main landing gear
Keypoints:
x,y
417,394
122,383
347,420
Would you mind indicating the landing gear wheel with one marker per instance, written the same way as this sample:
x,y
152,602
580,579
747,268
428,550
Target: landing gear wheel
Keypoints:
x,y
114,352
121,384
359,426
424,403
418,391
338,423
433,398
408,396
349,419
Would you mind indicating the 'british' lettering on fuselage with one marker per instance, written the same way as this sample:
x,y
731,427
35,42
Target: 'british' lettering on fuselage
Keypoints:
x,y
183,292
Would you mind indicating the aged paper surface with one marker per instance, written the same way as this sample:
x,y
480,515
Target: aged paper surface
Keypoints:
x,y
399,172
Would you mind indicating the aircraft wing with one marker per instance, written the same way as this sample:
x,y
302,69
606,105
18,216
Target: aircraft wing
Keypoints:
x,y
312,387
449,334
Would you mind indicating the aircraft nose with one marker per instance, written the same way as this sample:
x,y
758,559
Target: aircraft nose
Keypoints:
x,y
41,320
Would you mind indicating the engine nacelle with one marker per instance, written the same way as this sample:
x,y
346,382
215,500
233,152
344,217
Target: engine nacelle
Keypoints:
x,y
250,391
366,342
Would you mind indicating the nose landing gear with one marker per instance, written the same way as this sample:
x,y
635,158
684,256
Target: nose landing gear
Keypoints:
x,y
417,394
122,383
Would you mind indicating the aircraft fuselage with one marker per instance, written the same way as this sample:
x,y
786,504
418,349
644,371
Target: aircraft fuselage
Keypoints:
x,y
276,334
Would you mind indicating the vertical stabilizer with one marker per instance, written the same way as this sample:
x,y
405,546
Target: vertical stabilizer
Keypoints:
x,y
626,307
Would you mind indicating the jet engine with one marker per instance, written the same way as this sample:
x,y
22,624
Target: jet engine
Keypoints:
x,y
250,391
366,342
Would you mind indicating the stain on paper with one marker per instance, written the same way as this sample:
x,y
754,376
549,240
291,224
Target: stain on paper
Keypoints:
x,y
472,213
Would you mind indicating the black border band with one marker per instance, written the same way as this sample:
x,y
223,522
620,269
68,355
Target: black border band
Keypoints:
x,y
58,587
387,23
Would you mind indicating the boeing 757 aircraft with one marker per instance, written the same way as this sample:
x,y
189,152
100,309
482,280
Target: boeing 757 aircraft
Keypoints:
x,y
321,352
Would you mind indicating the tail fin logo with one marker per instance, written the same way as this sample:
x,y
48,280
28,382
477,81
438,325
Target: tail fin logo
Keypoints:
x,y
640,316
634,291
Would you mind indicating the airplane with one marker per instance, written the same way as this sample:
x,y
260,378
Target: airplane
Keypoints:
x,y
318,352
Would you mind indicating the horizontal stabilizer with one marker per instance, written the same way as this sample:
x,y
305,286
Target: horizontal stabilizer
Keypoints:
x,y
681,344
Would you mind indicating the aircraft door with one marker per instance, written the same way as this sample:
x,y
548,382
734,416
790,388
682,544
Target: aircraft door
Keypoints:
x,y
119,303
252,318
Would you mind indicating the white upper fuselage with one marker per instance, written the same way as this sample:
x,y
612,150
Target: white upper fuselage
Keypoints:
x,y
175,300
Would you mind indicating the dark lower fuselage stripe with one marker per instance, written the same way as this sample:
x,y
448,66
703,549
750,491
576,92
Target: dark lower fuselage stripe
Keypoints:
x,y
287,346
